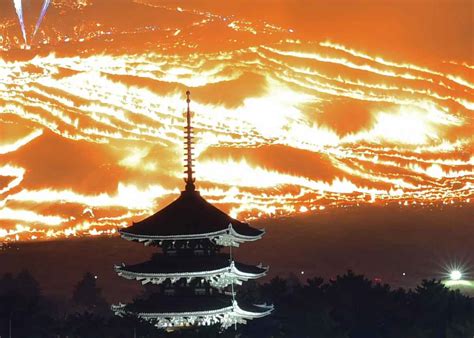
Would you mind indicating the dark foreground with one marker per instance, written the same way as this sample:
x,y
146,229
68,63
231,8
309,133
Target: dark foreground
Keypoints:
x,y
396,245
350,306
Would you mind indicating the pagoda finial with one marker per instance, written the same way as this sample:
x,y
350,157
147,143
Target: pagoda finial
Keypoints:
x,y
189,179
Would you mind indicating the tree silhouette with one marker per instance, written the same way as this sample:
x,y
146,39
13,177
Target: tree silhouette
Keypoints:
x,y
22,307
350,306
443,313
87,296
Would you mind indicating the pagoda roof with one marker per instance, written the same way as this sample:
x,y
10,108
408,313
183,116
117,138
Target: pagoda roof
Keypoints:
x,y
219,270
190,216
157,305
180,264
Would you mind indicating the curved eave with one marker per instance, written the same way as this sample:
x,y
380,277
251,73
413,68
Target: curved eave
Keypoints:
x,y
219,277
265,310
121,310
225,237
226,316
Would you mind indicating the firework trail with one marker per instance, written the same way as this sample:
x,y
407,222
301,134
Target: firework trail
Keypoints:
x,y
40,19
19,12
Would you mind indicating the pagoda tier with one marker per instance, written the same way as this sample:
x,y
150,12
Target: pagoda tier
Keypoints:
x,y
218,270
178,312
191,217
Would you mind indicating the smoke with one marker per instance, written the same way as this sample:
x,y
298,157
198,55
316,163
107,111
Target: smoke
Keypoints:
x,y
19,12
40,18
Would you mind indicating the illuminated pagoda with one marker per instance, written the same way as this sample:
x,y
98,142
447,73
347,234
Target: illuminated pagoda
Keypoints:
x,y
194,280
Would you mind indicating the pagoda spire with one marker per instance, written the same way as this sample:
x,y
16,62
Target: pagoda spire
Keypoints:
x,y
189,179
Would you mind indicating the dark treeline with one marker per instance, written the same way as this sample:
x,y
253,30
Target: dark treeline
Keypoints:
x,y
350,306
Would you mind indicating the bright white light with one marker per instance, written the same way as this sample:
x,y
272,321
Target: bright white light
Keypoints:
x,y
455,275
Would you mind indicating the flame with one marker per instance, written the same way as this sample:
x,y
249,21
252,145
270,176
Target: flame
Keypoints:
x,y
8,148
127,196
284,124
241,174
382,61
16,172
30,216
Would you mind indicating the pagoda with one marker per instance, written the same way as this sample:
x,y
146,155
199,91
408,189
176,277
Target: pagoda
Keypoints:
x,y
194,279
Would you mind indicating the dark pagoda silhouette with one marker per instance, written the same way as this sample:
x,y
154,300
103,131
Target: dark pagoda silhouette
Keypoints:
x,y
194,279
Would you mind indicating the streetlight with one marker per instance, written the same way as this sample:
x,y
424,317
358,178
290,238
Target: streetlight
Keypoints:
x,y
455,275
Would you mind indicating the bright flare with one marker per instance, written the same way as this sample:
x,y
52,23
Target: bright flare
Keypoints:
x,y
455,275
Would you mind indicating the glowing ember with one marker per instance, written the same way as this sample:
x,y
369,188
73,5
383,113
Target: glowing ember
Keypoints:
x,y
287,122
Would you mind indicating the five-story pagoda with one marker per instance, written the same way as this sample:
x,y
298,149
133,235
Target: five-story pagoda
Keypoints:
x,y
195,280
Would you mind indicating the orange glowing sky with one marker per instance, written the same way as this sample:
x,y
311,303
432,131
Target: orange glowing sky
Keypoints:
x,y
298,107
